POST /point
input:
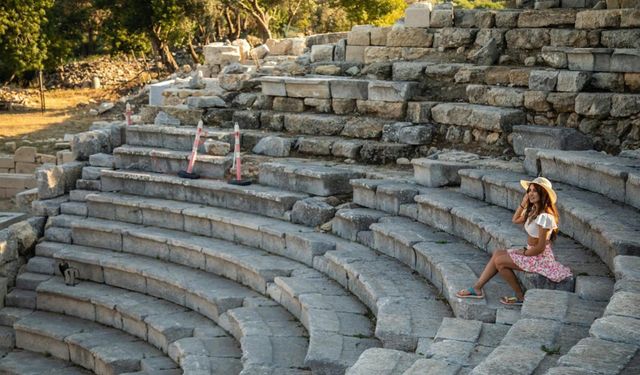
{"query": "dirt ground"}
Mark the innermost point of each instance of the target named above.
(67, 111)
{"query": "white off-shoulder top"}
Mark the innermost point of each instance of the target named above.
(544, 220)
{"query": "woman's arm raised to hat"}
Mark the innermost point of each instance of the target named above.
(519, 216)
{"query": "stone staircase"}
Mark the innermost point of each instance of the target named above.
(339, 257)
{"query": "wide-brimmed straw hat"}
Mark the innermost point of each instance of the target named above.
(544, 183)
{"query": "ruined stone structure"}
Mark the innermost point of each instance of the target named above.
(345, 253)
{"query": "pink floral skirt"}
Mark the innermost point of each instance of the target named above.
(544, 264)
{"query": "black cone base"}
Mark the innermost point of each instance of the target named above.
(240, 182)
(185, 174)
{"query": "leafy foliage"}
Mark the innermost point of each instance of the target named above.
(22, 45)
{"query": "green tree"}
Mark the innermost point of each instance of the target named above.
(375, 12)
(23, 46)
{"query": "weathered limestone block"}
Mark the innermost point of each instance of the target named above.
(607, 81)
(546, 18)
(363, 127)
(382, 153)
(436, 173)
(25, 154)
(555, 59)
(536, 100)
(308, 88)
(484, 37)
(419, 112)
(217, 148)
(322, 52)
(382, 54)
(391, 91)
(320, 105)
(315, 145)
(527, 38)
(569, 38)
(544, 80)
(379, 36)
(88, 143)
(247, 119)
(525, 136)
(340, 50)
(418, 15)
(390, 131)
(477, 116)
(589, 59)
(507, 19)
(236, 82)
(221, 54)
(360, 35)
(305, 123)
(312, 211)
(387, 110)
(416, 135)
(56, 180)
(562, 102)
(409, 37)
(456, 37)
(349, 89)
(630, 18)
(343, 106)
(286, 104)
(621, 38)
(279, 46)
(572, 81)
(355, 54)
(624, 105)
(593, 105)
(205, 102)
(442, 17)
(349, 149)
(625, 60)
(273, 146)
(495, 95)
(598, 19)
(484, 19)
(273, 86)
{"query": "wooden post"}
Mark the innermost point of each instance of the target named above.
(43, 106)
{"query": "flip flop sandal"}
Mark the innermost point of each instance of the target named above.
(472, 294)
(511, 301)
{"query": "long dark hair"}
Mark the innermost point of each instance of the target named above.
(546, 206)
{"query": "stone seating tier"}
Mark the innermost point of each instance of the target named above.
(250, 318)
(91, 345)
(19, 362)
(608, 228)
(403, 293)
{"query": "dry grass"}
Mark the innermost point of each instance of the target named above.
(66, 112)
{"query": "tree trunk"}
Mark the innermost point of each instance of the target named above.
(192, 52)
(161, 48)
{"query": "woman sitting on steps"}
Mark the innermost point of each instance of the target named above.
(538, 213)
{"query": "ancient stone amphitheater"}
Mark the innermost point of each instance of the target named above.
(345, 253)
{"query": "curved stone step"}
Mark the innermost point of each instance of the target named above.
(170, 161)
(91, 345)
(606, 227)
(494, 119)
(22, 362)
(321, 179)
(212, 296)
(487, 226)
(551, 323)
(171, 328)
(256, 269)
(264, 200)
(249, 266)
(302, 244)
(408, 309)
(615, 333)
(173, 138)
(449, 263)
(339, 330)
(615, 177)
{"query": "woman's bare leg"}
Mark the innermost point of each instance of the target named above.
(505, 266)
(489, 271)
